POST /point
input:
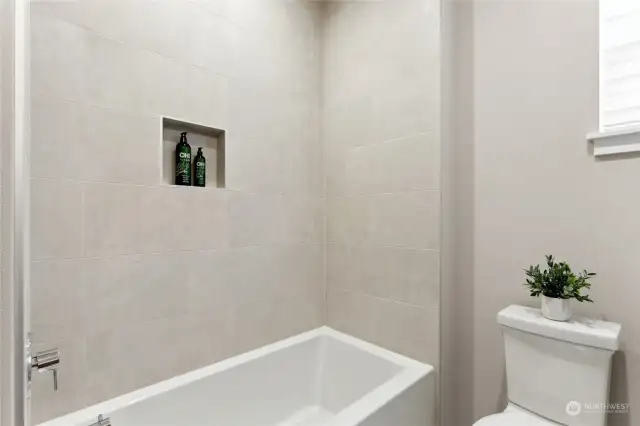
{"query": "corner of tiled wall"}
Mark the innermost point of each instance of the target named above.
(381, 130)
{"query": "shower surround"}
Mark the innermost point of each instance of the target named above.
(331, 207)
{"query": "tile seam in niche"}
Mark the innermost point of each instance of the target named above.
(132, 45)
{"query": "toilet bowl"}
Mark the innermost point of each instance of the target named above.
(555, 370)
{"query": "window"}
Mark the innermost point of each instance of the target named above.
(619, 127)
(619, 64)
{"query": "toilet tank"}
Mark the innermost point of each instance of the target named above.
(551, 365)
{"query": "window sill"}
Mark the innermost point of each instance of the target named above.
(611, 142)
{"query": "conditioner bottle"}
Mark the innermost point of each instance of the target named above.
(199, 169)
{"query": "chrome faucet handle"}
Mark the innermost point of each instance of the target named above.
(102, 421)
(48, 360)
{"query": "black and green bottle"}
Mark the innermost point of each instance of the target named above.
(199, 169)
(183, 161)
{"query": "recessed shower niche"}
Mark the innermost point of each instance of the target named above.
(210, 139)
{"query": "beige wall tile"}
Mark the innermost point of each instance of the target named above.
(130, 290)
(47, 403)
(262, 321)
(119, 76)
(262, 219)
(195, 36)
(404, 275)
(59, 300)
(177, 345)
(138, 219)
(406, 164)
(56, 219)
(352, 313)
(410, 330)
(57, 61)
(75, 141)
(381, 104)
(409, 219)
(219, 7)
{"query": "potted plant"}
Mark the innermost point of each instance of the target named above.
(558, 285)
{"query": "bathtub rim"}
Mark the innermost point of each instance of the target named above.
(412, 371)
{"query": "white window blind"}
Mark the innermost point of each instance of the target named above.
(619, 64)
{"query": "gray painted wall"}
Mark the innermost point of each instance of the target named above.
(526, 184)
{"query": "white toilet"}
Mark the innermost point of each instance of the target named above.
(557, 372)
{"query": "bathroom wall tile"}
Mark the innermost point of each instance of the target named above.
(404, 275)
(226, 277)
(119, 76)
(254, 219)
(410, 219)
(56, 219)
(347, 220)
(265, 321)
(407, 109)
(130, 219)
(409, 330)
(336, 173)
(57, 55)
(207, 213)
(195, 37)
(405, 164)
(259, 219)
(352, 313)
(129, 290)
(75, 141)
(219, 7)
(78, 296)
(253, 165)
(46, 403)
(176, 345)
(350, 123)
(59, 300)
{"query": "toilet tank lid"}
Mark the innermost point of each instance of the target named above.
(583, 331)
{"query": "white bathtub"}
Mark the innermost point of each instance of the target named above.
(321, 377)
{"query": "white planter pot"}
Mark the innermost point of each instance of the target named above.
(556, 309)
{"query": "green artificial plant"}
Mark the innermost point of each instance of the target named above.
(558, 281)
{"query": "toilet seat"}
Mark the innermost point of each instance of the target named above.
(514, 418)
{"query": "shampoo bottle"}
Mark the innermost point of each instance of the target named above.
(199, 169)
(183, 161)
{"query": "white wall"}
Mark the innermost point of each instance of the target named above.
(134, 280)
(381, 131)
(531, 76)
